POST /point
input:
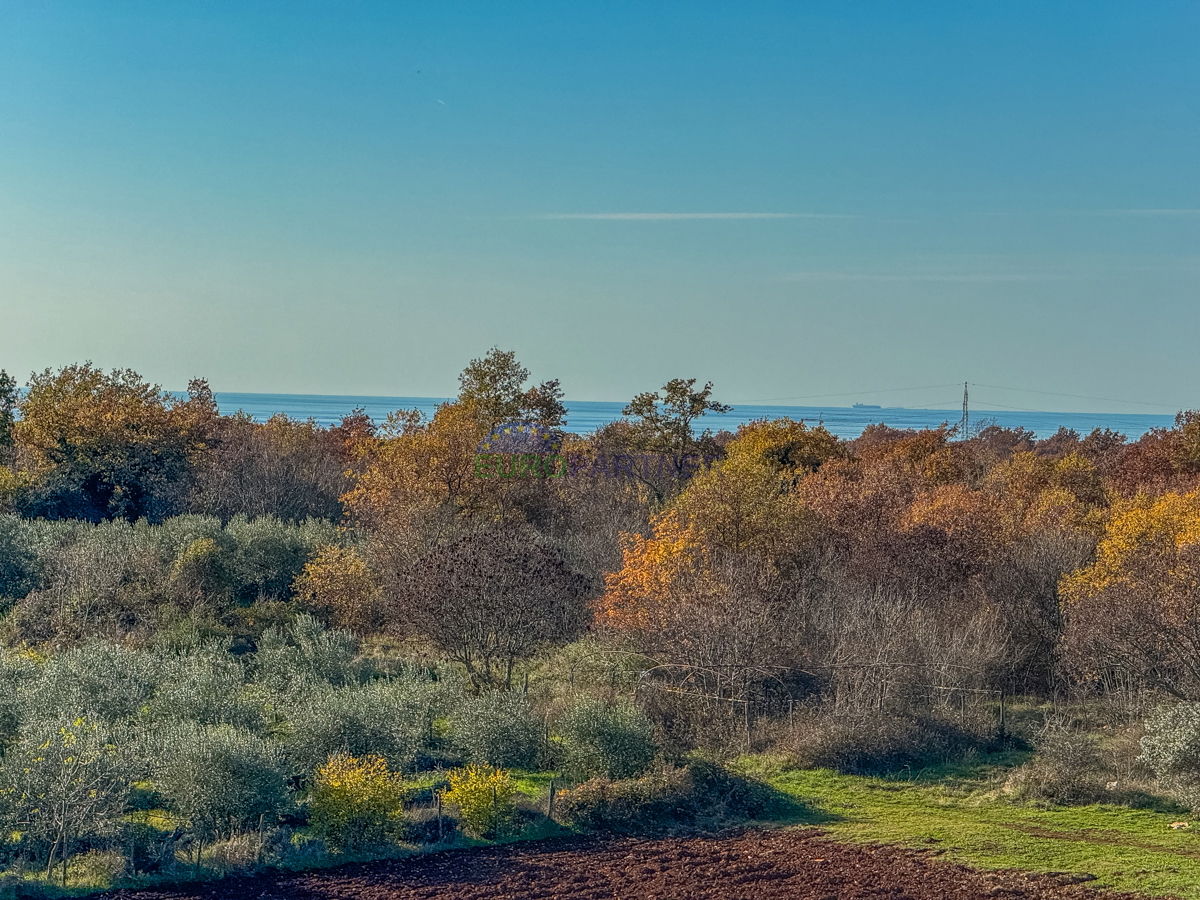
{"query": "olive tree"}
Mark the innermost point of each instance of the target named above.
(217, 778)
(63, 781)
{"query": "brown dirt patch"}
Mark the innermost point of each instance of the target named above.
(772, 865)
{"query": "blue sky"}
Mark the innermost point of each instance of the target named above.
(792, 200)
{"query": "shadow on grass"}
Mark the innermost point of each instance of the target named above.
(792, 811)
(1149, 802)
(975, 769)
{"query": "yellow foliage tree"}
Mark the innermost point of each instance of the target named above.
(1139, 531)
(655, 572)
(746, 503)
(338, 586)
(1136, 608)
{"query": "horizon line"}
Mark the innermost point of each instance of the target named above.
(681, 216)
(735, 404)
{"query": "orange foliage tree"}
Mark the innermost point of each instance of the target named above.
(98, 445)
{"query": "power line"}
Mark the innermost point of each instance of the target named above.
(986, 405)
(1076, 396)
(975, 384)
(927, 387)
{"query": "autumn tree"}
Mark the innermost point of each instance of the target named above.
(1135, 611)
(102, 445)
(1153, 464)
(338, 587)
(719, 622)
(490, 599)
(656, 572)
(418, 481)
(747, 502)
(1187, 442)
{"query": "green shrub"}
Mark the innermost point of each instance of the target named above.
(239, 852)
(306, 653)
(100, 679)
(204, 684)
(96, 868)
(18, 560)
(498, 729)
(70, 581)
(267, 554)
(17, 671)
(609, 740)
(485, 798)
(357, 802)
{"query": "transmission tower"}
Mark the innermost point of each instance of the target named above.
(966, 417)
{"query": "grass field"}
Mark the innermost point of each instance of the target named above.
(961, 813)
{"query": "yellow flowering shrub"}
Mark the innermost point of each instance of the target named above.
(485, 799)
(357, 801)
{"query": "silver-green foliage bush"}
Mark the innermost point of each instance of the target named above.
(204, 684)
(100, 679)
(266, 554)
(1171, 748)
(18, 560)
(218, 778)
(610, 740)
(17, 672)
(498, 728)
(304, 655)
(72, 580)
(391, 719)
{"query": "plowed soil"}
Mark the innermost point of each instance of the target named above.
(796, 865)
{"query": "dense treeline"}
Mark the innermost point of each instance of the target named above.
(179, 586)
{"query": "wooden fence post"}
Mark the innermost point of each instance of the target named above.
(550, 802)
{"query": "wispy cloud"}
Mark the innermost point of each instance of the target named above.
(973, 277)
(1148, 212)
(678, 216)
(1178, 213)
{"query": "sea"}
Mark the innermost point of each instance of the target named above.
(585, 416)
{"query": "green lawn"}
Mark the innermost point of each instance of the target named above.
(961, 813)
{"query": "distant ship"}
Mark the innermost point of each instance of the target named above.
(866, 406)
